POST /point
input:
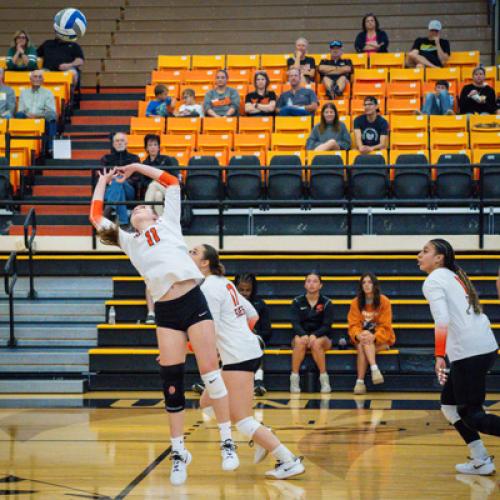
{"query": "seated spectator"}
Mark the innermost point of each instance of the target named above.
(439, 102)
(21, 56)
(371, 130)
(246, 283)
(189, 106)
(335, 72)
(7, 99)
(432, 51)
(222, 100)
(59, 55)
(305, 64)
(117, 191)
(162, 103)
(330, 134)
(38, 102)
(371, 38)
(478, 97)
(297, 101)
(370, 328)
(260, 102)
(312, 316)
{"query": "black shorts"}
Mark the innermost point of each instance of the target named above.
(181, 313)
(250, 365)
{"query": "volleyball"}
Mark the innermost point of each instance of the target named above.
(70, 24)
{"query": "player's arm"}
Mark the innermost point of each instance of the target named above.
(164, 178)
(250, 312)
(96, 207)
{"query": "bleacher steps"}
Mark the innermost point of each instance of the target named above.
(42, 386)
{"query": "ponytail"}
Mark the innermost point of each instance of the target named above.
(215, 266)
(109, 235)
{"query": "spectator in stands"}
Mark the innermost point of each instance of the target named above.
(297, 101)
(370, 130)
(7, 99)
(246, 283)
(312, 316)
(38, 102)
(432, 51)
(59, 55)
(121, 191)
(371, 38)
(439, 102)
(330, 134)
(478, 97)
(370, 328)
(21, 56)
(260, 102)
(305, 64)
(162, 104)
(222, 100)
(336, 72)
(189, 106)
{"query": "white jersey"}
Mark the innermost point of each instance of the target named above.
(235, 341)
(159, 252)
(469, 334)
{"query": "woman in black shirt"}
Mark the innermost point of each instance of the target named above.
(312, 316)
(261, 102)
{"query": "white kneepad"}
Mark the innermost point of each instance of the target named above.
(451, 414)
(248, 426)
(214, 384)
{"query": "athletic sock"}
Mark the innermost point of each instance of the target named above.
(360, 380)
(178, 444)
(225, 431)
(282, 453)
(374, 367)
(259, 375)
(477, 450)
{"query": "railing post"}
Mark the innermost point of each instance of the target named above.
(221, 208)
(10, 270)
(349, 209)
(481, 209)
(28, 244)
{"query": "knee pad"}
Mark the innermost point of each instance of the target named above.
(450, 413)
(248, 426)
(472, 415)
(172, 378)
(214, 384)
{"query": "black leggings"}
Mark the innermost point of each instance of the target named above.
(466, 388)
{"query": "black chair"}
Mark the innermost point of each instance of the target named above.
(285, 183)
(366, 182)
(203, 184)
(243, 183)
(454, 177)
(365, 160)
(410, 181)
(491, 176)
(327, 183)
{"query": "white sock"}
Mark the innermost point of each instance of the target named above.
(360, 381)
(282, 453)
(259, 375)
(477, 450)
(208, 413)
(225, 431)
(323, 375)
(294, 375)
(374, 367)
(178, 444)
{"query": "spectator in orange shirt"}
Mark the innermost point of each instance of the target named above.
(370, 328)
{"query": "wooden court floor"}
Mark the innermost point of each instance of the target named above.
(115, 446)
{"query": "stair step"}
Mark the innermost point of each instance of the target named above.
(42, 386)
(113, 97)
(90, 145)
(52, 190)
(103, 112)
(108, 105)
(57, 209)
(98, 121)
(93, 154)
(54, 231)
(73, 309)
(60, 219)
(20, 358)
(73, 130)
(69, 163)
(61, 173)
(63, 180)
(110, 90)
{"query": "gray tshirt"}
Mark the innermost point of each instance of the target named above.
(342, 137)
(220, 103)
(7, 100)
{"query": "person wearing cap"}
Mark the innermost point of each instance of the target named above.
(306, 64)
(336, 71)
(431, 51)
(478, 97)
(371, 130)
(297, 101)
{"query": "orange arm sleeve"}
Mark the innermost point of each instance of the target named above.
(355, 321)
(252, 322)
(384, 333)
(440, 334)
(167, 179)
(96, 208)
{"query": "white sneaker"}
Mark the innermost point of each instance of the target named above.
(377, 377)
(477, 467)
(178, 474)
(359, 388)
(284, 470)
(324, 381)
(295, 383)
(230, 460)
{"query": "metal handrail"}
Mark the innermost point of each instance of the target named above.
(30, 222)
(10, 279)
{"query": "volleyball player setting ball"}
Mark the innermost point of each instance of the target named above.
(158, 252)
(241, 356)
(463, 334)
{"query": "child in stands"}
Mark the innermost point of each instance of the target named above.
(162, 104)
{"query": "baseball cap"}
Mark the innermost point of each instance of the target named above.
(435, 25)
(335, 43)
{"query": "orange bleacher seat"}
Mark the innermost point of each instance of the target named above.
(174, 62)
(491, 75)
(358, 60)
(3, 63)
(485, 140)
(450, 74)
(257, 125)
(215, 145)
(239, 76)
(321, 91)
(173, 91)
(292, 124)
(275, 66)
(402, 106)
(52, 79)
(342, 105)
(497, 89)
(277, 88)
(311, 154)
(371, 75)
(3, 125)
(409, 123)
(208, 62)
(60, 95)
(243, 61)
(407, 75)
(135, 144)
(410, 141)
(360, 90)
(318, 58)
(354, 153)
(147, 125)
(28, 127)
(451, 123)
(345, 119)
(184, 125)
(219, 126)
(469, 59)
(141, 108)
(21, 152)
(199, 90)
(358, 107)
(245, 144)
(199, 76)
(492, 122)
(404, 90)
(288, 142)
(387, 60)
(171, 143)
(168, 76)
(449, 141)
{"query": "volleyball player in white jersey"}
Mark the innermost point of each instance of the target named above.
(463, 334)
(158, 252)
(241, 356)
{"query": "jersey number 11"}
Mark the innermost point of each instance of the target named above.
(152, 237)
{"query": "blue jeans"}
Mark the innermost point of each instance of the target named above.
(437, 105)
(293, 111)
(120, 192)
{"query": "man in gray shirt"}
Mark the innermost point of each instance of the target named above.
(297, 101)
(7, 99)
